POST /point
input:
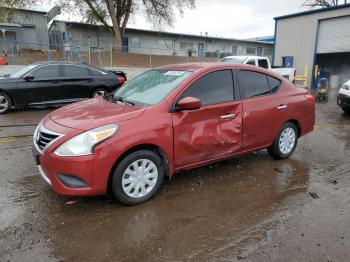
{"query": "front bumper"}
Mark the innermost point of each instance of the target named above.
(76, 176)
(343, 100)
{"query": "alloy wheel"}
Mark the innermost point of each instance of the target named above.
(4, 103)
(287, 140)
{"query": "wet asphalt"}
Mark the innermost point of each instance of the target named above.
(251, 208)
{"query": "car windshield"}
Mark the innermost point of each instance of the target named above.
(22, 71)
(151, 87)
(233, 60)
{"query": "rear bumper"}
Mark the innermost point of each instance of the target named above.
(343, 100)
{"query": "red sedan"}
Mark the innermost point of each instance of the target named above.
(166, 120)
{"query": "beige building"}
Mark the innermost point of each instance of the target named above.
(318, 39)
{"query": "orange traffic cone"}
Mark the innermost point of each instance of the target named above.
(2, 61)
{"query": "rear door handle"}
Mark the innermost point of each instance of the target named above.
(282, 107)
(229, 116)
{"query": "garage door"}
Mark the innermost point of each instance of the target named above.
(334, 36)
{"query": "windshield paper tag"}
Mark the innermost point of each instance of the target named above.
(174, 73)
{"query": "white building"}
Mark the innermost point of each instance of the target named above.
(159, 43)
(318, 39)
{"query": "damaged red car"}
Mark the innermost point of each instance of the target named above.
(169, 119)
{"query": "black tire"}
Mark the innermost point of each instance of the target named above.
(275, 150)
(117, 187)
(99, 92)
(5, 103)
(346, 110)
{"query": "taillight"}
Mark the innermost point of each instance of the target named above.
(310, 98)
(121, 80)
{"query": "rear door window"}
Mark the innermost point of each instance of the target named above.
(214, 88)
(253, 83)
(274, 84)
(75, 71)
(47, 72)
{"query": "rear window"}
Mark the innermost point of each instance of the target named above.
(95, 72)
(263, 63)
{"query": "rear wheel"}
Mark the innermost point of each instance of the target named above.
(285, 142)
(99, 92)
(346, 110)
(5, 103)
(138, 177)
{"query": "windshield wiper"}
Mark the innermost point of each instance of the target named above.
(123, 100)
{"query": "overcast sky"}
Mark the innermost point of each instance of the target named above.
(228, 18)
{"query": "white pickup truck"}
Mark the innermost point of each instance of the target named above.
(260, 61)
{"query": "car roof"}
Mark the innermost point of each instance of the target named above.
(247, 56)
(58, 62)
(69, 63)
(203, 66)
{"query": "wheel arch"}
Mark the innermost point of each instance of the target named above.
(13, 101)
(151, 147)
(98, 87)
(297, 124)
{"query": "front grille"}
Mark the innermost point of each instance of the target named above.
(44, 139)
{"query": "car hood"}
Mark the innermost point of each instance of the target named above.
(7, 80)
(93, 113)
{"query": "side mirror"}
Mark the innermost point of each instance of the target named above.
(188, 103)
(28, 77)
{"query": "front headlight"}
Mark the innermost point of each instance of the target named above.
(346, 87)
(84, 144)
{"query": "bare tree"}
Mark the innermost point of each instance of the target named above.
(323, 3)
(6, 8)
(118, 12)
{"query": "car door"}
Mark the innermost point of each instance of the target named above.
(263, 108)
(214, 130)
(77, 82)
(43, 87)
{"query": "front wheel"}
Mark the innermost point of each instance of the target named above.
(346, 110)
(138, 177)
(5, 103)
(285, 142)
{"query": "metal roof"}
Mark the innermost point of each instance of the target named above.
(163, 33)
(37, 10)
(314, 11)
(10, 25)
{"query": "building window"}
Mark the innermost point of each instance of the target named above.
(165, 44)
(250, 50)
(186, 46)
(268, 51)
(260, 51)
(234, 50)
(135, 41)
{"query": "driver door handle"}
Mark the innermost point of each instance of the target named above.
(282, 107)
(228, 116)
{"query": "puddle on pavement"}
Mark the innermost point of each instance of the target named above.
(223, 201)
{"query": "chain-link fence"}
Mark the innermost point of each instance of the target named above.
(23, 53)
